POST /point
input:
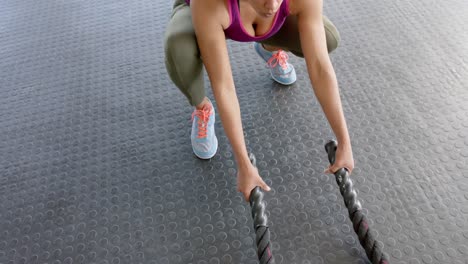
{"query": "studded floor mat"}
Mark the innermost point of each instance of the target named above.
(96, 164)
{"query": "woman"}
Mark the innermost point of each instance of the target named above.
(196, 37)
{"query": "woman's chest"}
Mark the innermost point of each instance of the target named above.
(252, 23)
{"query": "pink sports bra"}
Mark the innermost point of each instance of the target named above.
(236, 30)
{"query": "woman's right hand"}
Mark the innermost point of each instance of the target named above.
(248, 178)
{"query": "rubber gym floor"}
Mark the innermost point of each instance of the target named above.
(96, 164)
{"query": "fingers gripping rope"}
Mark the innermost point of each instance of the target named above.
(262, 231)
(360, 224)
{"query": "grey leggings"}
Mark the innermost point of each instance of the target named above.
(182, 56)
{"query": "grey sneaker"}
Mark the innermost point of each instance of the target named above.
(280, 69)
(204, 141)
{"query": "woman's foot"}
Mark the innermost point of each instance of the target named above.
(203, 137)
(281, 71)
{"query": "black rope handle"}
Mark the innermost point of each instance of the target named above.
(360, 224)
(262, 231)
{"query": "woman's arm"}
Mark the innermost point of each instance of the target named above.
(322, 75)
(212, 43)
(207, 17)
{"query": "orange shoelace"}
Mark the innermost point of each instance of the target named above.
(280, 57)
(203, 118)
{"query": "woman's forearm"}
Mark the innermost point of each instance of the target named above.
(327, 93)
(229, 112)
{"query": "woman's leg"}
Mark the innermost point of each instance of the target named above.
(288, 38)
(185, 68)
(182, 56)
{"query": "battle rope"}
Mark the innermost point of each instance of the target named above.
(361, 227)
(262, 231)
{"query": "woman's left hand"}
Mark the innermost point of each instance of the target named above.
(343, 159)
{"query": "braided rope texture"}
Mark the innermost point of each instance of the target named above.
(372, 246)
(262, 231)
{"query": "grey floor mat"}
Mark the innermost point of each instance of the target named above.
(96, 163)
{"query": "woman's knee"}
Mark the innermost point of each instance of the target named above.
(182, 54)
(181, 46)
(332, 38)
(332, 35)
(180, 42)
